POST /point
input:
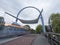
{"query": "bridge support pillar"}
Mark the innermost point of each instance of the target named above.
(44, 30)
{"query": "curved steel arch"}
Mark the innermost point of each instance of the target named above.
(40, 16)
(44, 30)
(26, 8)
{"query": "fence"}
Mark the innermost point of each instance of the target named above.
(53, 38)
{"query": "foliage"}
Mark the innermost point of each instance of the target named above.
(46, 27)
(39, 29)
(27, 26)
(55, 22)
(32, 31)
(1, 27)
(1, 23)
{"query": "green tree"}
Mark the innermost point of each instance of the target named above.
(55, 22)
(27, 27)
(46, 27)
(39, 29)
(33, 31)
(2, 23)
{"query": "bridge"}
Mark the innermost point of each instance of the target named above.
(33, 39)
(45, 38)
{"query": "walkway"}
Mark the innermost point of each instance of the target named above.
(24, 40)
(30, 39)
(41, 40)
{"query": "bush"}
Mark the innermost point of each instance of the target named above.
(39, 29)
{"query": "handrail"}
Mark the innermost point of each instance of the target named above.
(51, 36)
(53, 33)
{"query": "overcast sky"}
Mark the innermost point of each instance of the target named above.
(13, 7)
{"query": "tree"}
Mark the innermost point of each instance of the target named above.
(2, 23)
(32, 31)
(27, 27)
(46, 27)
(39, 29)
(55, 22)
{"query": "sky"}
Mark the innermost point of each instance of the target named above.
(13, 7)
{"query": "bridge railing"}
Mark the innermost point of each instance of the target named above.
(53, 38)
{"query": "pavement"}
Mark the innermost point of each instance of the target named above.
(24, 40)
(4, 40)
(41, 40)
(29, 39)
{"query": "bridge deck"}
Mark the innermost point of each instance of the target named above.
(31, 39)
(41, 40)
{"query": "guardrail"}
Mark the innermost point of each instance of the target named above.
(53, 38)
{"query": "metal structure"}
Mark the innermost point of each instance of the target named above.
(53, 38)
(30, 21)
(26, 8)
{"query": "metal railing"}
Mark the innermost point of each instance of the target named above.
(53, 38)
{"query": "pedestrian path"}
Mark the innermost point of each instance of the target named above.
(40, 40)
(30, 39)
(24, 40)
